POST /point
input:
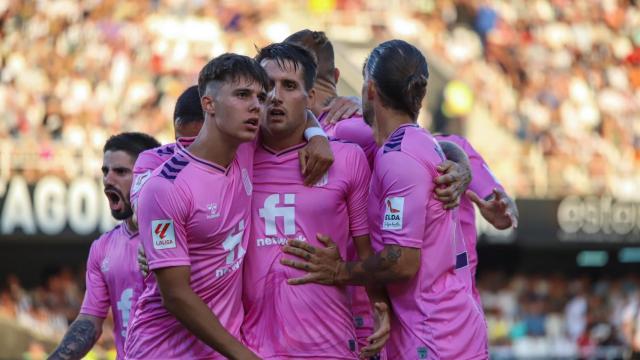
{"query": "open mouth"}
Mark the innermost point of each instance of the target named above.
(115, 200)
(276, 112)
(253, 122)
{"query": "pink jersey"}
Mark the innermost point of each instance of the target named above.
(483, 182)
(356, 131)
(193, 213)
(309, 321)
(353, 130)
(113, 280)
(149, 160)
(435, 317)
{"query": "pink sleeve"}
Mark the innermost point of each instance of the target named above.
(357, 198)
(161, 218)
(96, 298)
(406, 188)
(146, 162)
(355, 130)
(483, 181)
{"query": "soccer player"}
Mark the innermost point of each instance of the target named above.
(112, 278)
(187, 122)
(456, 173)
(415, 238)
(193, 212)
(490, 197)
(353, 129)
(315, 321)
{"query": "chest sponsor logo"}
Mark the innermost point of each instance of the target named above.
(393, 214)
(270, 212)
(235, 252)
(163, 234)
(124, 307)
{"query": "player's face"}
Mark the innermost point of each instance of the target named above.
(238, 107)
(117, 175)
(287, 100)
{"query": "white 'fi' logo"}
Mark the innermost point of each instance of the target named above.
(270, 212)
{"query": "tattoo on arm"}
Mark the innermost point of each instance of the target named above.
(328, 101)
(77, 342)
(453, 152)
(380, 264)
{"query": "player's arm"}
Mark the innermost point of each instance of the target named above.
(79, 338)
(87, 327)
(325, 265)
(316, 157)
(399, 260)
(456, 175)
(342, 107)
(487, 193)
(180, 300)
(498, 208)
(380, 304)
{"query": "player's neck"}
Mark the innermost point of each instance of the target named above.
(131, 225)
(388, 120)
(280, 142)
(324, 92)
(213, 146)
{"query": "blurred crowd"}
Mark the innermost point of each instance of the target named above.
(556, 82)
(561, 77)
(47, 310)
(555, 316)
(529, 316)
(73, 73)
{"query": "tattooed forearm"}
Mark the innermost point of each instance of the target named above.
(77, 342)
(378, 268)
(453, 152)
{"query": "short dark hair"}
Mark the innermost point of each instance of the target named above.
(133, 143)
(299, 56)
(188, 108)
(400, 73)
(231, 67)
(318, 43)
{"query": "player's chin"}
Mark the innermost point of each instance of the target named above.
(123, 214)
(247, 135)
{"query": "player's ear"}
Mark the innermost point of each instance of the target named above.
(207, 104)
(371, 90)
(311, 96)
(336, 75)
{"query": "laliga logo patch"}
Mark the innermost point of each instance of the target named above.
(164, 236)
(393, 213)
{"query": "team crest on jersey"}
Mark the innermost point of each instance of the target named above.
(246, 180)
(163, 234)
(213, 211)
(393, 213)
(140, 180)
